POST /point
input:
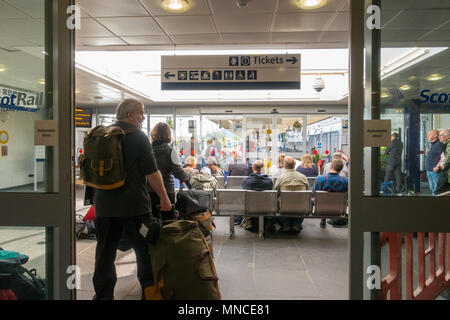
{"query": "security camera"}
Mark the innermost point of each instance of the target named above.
(242, 3)
(319, 84)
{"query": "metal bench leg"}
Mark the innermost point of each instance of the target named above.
(231, 227)
(261, 227)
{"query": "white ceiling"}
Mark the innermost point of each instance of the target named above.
(143, 23)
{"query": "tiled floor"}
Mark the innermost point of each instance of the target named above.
(311, 265)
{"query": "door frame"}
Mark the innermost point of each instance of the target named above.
(54, 211)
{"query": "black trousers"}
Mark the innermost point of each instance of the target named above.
(109, 232)
(394, 170)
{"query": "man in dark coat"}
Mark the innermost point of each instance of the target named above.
(394, 161)
(258, 181)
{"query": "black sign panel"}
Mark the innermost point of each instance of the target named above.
(83, 117)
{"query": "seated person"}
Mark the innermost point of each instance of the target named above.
(336, 156)
(332, 182)
(291, 180)
(308, 168)
(257, 181)
(211, 163)
(191, 164)
(276, 170)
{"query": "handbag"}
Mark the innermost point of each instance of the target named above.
(192, 201)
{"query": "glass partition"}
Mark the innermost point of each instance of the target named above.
(290, 131)
(188, 139)
(26, 165)
(222, 137)
(259, 140)
(414, 79)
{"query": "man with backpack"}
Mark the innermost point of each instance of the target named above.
(121, 210)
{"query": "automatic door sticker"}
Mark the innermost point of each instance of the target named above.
(228, 75)
(182, 75)
(240, 74)
(206, 75)
(217, 75)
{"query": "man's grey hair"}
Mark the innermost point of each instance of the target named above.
(445, 132)
(127, 106)
(211, 161)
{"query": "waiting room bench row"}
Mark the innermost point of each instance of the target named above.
(238, 202)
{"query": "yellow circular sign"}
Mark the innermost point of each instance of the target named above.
(4, 137)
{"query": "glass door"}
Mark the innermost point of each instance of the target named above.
(36, 139)
(290, 132)
(259, 140)
(223, 138)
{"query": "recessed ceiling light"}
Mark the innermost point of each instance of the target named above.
(311, 4)
(2, 68)
(175, 5)
(435, 77)
(412, 78)
(405, 87)
(41, 81)
(385, 95)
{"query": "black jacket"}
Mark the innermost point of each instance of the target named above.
(395, 153)
(163, 155)
(257, 182)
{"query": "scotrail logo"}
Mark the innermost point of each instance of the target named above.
(20, 101)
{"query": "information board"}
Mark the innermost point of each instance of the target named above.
(230, 72)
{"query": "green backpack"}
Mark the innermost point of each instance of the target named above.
(182, 264)
(101, 164)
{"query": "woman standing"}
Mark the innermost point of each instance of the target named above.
(307, 167)
(161, 139)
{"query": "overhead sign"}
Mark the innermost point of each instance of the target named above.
(221, 72)
(45, 132)
(377, 133)
(19, 100)
(83, 117)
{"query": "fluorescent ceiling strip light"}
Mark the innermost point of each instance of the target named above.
(409, 59)
(106, 78)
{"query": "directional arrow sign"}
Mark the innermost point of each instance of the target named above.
(233, 72)
(168, 75)
(293, 60)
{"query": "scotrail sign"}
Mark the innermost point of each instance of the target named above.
(219, 72)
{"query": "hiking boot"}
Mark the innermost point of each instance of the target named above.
(338, 223)
(323, 223)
